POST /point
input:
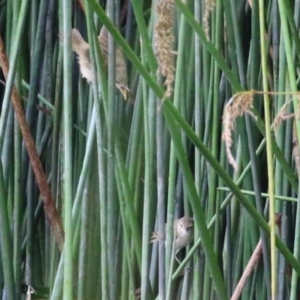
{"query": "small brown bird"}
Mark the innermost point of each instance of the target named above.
(183, 233)
(81, 47)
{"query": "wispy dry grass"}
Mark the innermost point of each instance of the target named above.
(239, 104)
(282, 115)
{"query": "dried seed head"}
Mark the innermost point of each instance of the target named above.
(163, 40)
(239, 104)
(209, 7)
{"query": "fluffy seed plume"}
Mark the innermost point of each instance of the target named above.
(239, 104)
(164, 39)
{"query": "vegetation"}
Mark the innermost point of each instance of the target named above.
(204, 123)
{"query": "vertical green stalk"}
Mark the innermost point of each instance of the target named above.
(17, 208)
(111, 121)
(127, 198)
(11, 75)
(126, 253)
(213, 196)
(269, 148)
(160, 168)
(199, 113)
(215, 145)
(283, 137)
(67, 152)
(17, 236)
(256, 167)
(104, 272)
(6, 244)
(293, 85)
(84, 249)
(173, 163)
(36, 70)
(148, 189)
(161, 199)
(55, 188)
(147, 45)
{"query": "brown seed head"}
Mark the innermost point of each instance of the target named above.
(164, 39)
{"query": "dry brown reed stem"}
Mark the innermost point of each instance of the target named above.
(163, 40)
(247, 272)
(49, 205)
(251, 265)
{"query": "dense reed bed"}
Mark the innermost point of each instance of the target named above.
(209, 128)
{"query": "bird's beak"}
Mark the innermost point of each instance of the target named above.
(124, 90)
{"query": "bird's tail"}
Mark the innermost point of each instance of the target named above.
(78, 43)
